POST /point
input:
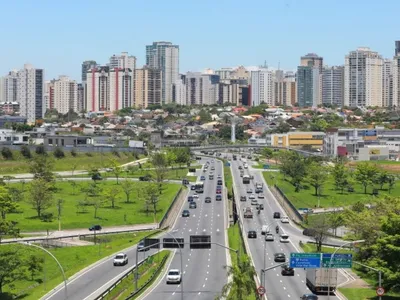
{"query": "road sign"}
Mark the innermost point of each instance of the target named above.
(266, 167)
(171, 243)
(152, 243)
(261, 290)
(305, 260)
(339, 260)
(380, 291)
(200, 242)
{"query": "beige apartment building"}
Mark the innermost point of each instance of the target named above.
(147, 87)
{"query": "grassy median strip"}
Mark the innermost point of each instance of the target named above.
(148, 272)
(72, 258)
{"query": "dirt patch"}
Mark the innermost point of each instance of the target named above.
(391, 168)
(358, 283)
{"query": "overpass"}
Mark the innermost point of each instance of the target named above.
(239, 146)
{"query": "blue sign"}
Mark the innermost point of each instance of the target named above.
(339, 260)
(227, 164)
(305, 260)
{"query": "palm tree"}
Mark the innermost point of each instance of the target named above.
(242, 283)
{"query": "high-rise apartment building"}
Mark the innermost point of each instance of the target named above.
(8, 87)
(333, 85)
(387, 82)
(397, 48)
(233, 91)
(262, 87)
(363, 78)
(396, 82)
(49, 94)
(65, 95)
(179, 90)
(80, 98)
(86, 66)
(164, 56)
(30, 93)
(2, 90)
(285, 88)
(312, 60)
(148, 87)
(308, 86)
(201, 89)
(123, 61)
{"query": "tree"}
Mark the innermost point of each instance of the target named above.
(40, 150)
(318, 125)
(73, 185)
(294, 166)
(8, 228)
(317, 176)
(335, 221)
(16, 195)
(391, 182)
(242, 283)
(116, 169)
(340, 176)
(365, 174)
(97, 202)
(6, 153)
(42, 166)
(58, 153)
(40, 195)
(205, 116)
(381, 178)
(159, 162)
(127, 186)
(12, 267)
(319, 228)
(152, 198)
(282, 127)
(267, 153)
(26, 152)
(110, 194)
(34, 265)
(73, 167)
(6, 203)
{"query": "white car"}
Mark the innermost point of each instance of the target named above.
(254, 201)
(252, 197)
(284, 238)
(260, 196)
(195, 196)
(264, 229)
(269, 237)
(245, 166)
(284, 220)
(219, 176)
(120, 259)
(174, 276)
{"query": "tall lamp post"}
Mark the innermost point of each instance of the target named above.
(376, 270)
(58, 263)
(330, 262)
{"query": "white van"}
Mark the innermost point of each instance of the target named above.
(264, 229)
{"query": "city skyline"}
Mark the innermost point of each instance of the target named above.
(61, 50)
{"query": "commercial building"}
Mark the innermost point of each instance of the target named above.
(296, 139)
(30, 93)
(308, 86)
(333, 85)
(147, 87)
(363, 78)
(165, 57)
(233, 91)
(9, 108)
(262, 87)
(64, 95)
(123, 61)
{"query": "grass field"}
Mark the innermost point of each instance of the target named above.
(329, 198)
(82, 161)
(388, 165)
(312, 248)
(72, 259)
(73, 216)
(146, 270)
(261, 166)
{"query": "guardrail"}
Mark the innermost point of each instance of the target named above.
(289, 203)
(164, 218)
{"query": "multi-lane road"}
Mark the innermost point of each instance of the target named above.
(277, 286)
(203, 269)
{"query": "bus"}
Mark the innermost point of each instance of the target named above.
(246, 179)
(199, 187)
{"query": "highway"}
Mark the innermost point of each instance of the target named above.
(277, 287)
(203, 269)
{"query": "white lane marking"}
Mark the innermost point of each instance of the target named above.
(199, 293)
(284, 288)
(204, 285)
(206, 278)
(288, 296)
(173, 293)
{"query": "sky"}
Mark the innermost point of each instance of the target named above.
(59, 35)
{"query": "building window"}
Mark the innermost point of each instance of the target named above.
(50, 141)
(62, 142)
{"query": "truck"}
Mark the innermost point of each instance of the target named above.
(246, 179)
(259, 187)
(248, 213)
(319, 279)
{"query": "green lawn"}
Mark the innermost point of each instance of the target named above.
(72, 259)
(74, 216)
(146, 270)
(366, 294)
(228, 178)
(82, 161)
(312, 248)
(261, 166)
(329, 198)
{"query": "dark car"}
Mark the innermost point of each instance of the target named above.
(309, 297)
(192, 205)
(95, 228)
(145, 178)
(219, 182)
(240, 167)
(193, 187)
(309, 232)
(243, 198)
(190, 198)
(202, 178)
(207, 200)
(97, 176)
(252, 234)
(185, 213)
(287, 270)
(277, 215)
(141, 247)
(218, 197)
(279, 257)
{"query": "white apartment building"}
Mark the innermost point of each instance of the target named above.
(8, 87)
(65, 95)
(164, 56)
(123, 61)
(387, 83)
(333, 85)
(30, 93)
(396, 82)
(201, 89)
(363, 78)
(179, 91)
(262, 87)
(285, 88)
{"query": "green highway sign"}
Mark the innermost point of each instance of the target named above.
(339, 260)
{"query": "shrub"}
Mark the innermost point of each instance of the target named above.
(135, 155)
(6, 153)
(116, 153)
(58, 153)
(74, 153)
(89, 154)
(47, 217)
(26, 152)
(40, 150)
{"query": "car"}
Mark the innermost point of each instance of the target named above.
(252, 197)
(190, 198)
(218, 191)
(174, 276)
(254, 202)
(252, 234)
(207, 200)
(109, 169)
(243, 198)
(145, 178)
(193, 205)
(309, 297)
(269, 237)
(264, 229)
(97, 176)
(212, 168)
(240, 168)
(212, 161)
(120, 259)
(284, 238)
(219, 182)
(248, 213)
(277, 215)
(279, 257)
(193, 187)
(286, 270)
(218, 197)
(249, 191)
(219, 176)
(202, 178)
(95, 228)
(195, 196)
(185, 213)
(284, 219)
(309, 232)
(210, 177)
(245, 166)
(260, 196)
(141, 247)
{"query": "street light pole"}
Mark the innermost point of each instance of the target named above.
(377, 270)
(59, 265)
(330, 262)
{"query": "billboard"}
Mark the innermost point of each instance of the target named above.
(374, 151)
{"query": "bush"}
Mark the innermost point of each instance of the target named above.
(47, 217)
(6, 153)
(74, 153)
(26, 152)
(40, 150)
(58, 153)
(135, 155)
(116, 153)
(89, 154)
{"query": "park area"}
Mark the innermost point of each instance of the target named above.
(85, 203)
